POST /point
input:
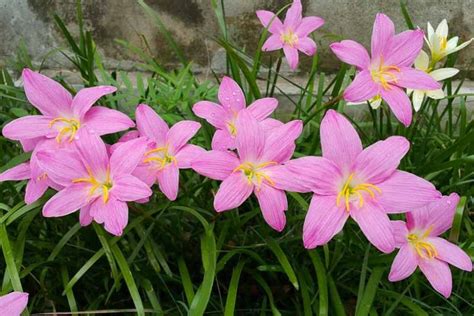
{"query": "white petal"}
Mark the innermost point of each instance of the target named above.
(435, 94)
(422, 61)
(375, 104)
(417, 98)
(442, 29)
(430, 34)
(460, 46)
(452, 43)
(443, 73)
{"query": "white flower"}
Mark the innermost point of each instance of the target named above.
(422, 62)
(374, 102)
(439, 44)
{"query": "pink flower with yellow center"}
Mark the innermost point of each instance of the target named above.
(62, 116)
(421, 247)
(94, 182)
(349, 181)
(256, 168)
(292, 35)
(13, 304)
(222, 116)
(388, 70)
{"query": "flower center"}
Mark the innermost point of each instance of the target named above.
(424, 249)
(232, 129)
(254, 172)
(289, 37)
(65, 127)
(384, 75)
(349, 191)
(159, 157)
(97, 187)
(443, 43)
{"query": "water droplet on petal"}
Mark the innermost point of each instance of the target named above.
(449, 202)
(227, 98)
(238, 100)
(234, 93)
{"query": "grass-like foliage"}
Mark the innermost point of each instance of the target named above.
(182, 257)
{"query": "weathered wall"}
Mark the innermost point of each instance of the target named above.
(194, 26)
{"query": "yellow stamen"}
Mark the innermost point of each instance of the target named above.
(162, 160)
(289, 38)
(105, 186)
(384, 75)
(72, 126)
(252, 171)
(424, 249)
(348, 191)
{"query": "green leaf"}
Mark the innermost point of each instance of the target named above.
(233, 288)
(370, 291)
(322, 282)
(283, 260)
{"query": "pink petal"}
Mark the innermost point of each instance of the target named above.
(400, 233)
(273, 204)
(416, 79)
(168, 180)
(230, 95)
(351, 53)
(145, 174)
(222, 140)
(212, 112)
(114, 215)
(438, 274)
(270, 20)
(293, 15)
(404, 264)
(67, 201)
(129, 136)
(291, 55)
(250, 139)
(181, 132)
(308, 25)
(85, 217)
(127, 156)
(272, 43)
(323, 220)
(45, 94)
(378, 161)
(19, 172)
(262, 108)
(286, 180)
(186, 155)
(233, 191)
(214, 164)
(150, 124)
(92, 150)
(437, 216)
(382, 32)
(318, 174)
(13, 304)
(399, 103)
(29, 144)
(340, 142)
(362, 88)
(279, 139)
(62, 167)
(403, 48)
(307, 46)
(451, 253)
(129, 188)
(269, 124)
(403, 192)
(375, 225)
(27, 127)
(105, 121)
(35, 189)
(87, 97)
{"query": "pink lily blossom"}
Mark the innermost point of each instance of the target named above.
(292, 35)
(349, 181)
(13, 304)
(421, 247)
(94, 182)
(388, 70)
(167, 149)
(257, 168)
(222, 116)
(62, 116)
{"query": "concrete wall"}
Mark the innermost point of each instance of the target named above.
(194, 26)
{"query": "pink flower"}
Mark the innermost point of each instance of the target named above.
(222, 116)
(292, 35)
(99, 185)
(421, 247)
(38, 180)
(257, 168)
(361, 183)
(388, 70)
(167, 150)
(62, 116)
(13, 304)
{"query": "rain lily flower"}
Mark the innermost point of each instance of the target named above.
(167, 150)
(422, 63)
(62, 116)
(257, 168)
(421, 247)
(99, 185)
(439, 44)
(388, 70)
(13, 304)
(349, 181)
(222, 116)
(292, 35)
